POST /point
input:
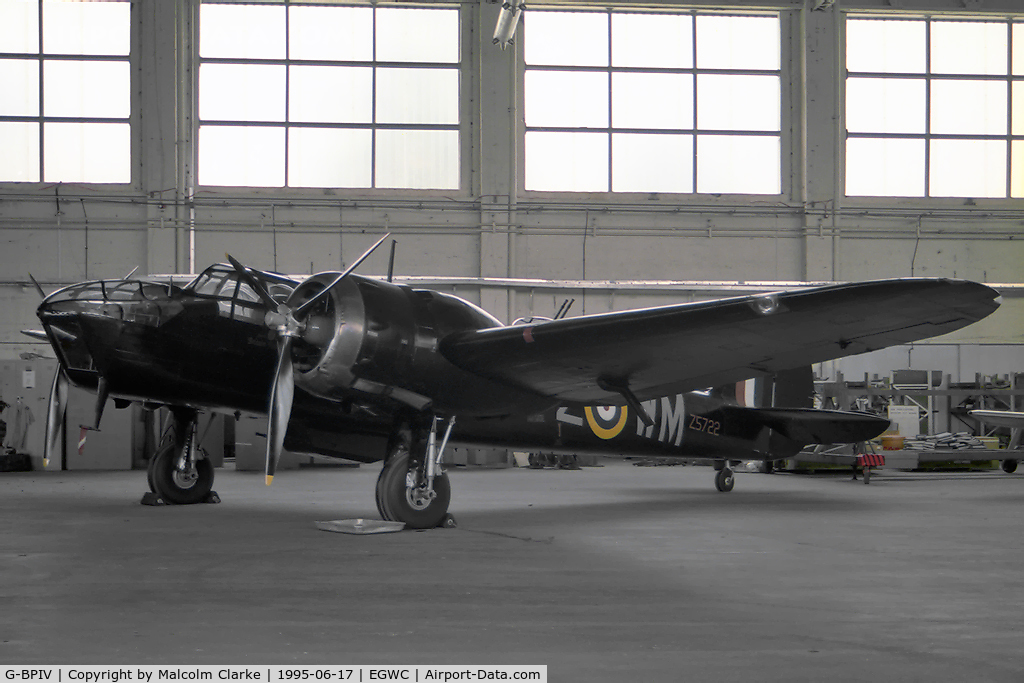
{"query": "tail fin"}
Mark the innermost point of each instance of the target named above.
(792, 388)
(784, 410)
(787, 389)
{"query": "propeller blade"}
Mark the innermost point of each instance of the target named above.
(38, 288)
(55, 414)
(257, 287)
(301, 310)
(102, 393)
(280, 408)
(391, 262)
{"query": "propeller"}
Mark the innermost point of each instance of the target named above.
(42, 294)
(57, 406)
(282, 391)
(289, 323)
(55, 411)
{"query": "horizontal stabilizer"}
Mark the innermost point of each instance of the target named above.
(808, 425)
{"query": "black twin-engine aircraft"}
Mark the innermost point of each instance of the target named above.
(350, 366)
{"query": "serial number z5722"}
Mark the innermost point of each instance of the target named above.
(699, 423)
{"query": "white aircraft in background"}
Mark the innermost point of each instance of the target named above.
(1004, 418)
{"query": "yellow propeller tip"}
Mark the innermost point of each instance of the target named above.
(270, 479)
(46, 462)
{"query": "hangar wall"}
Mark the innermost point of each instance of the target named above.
(164, 224)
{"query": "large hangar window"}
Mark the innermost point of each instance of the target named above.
(934, 107)
(652, 102)
(66, 102)
(300, 95)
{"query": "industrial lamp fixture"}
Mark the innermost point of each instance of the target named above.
(508, 19)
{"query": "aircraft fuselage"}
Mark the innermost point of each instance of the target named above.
(366, 360)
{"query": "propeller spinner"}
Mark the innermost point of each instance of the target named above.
(289, 324)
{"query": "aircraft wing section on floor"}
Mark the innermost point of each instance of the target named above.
(685, 347)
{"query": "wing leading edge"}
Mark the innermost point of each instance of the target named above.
(1000, 418)
(685, 347)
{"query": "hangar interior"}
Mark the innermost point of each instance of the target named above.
(618, 155)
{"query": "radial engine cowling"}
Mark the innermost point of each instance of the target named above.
(327, 347)
(370, 338)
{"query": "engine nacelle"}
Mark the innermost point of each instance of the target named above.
(328, 347)
(373, 340)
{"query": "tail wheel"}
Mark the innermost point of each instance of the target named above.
(402, 496)
(724, 480)
(180, 485)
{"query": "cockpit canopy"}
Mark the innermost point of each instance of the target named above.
(222, 282)
(111, 290)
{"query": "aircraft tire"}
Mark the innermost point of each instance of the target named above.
(393, 495)
(1009, 466)
(149, 472)
(173, 487)
(400, 442)
(724, 480)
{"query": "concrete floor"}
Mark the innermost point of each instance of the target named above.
(605, 574)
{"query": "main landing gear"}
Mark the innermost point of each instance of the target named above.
(180, 473)
(413, 487)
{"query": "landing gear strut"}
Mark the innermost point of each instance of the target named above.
(412, 486)
(180, 473)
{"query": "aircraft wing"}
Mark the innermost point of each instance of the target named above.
(1000, 418)
(685, 347)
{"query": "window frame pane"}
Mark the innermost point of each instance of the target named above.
(579, 157)
(86, 89)
(873, 182)
(87, 152)
(262, 37)
(970, 104)
(237, 148)
(893, 105)
(577, 99)
(336, 149)
(742, 152)
(19, 75)
(315, 33)
(412, 151)
(950, 53)
(20, 161)
(954, 165)
(75, 76)
(19, 31)
(408, 84)
(638, 149)
(641, 98)
(87, 28)
(649, 100)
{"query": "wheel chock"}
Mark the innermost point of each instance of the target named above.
(150, 498)
(447, 522)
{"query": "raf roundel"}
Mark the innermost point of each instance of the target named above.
(606, 422)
